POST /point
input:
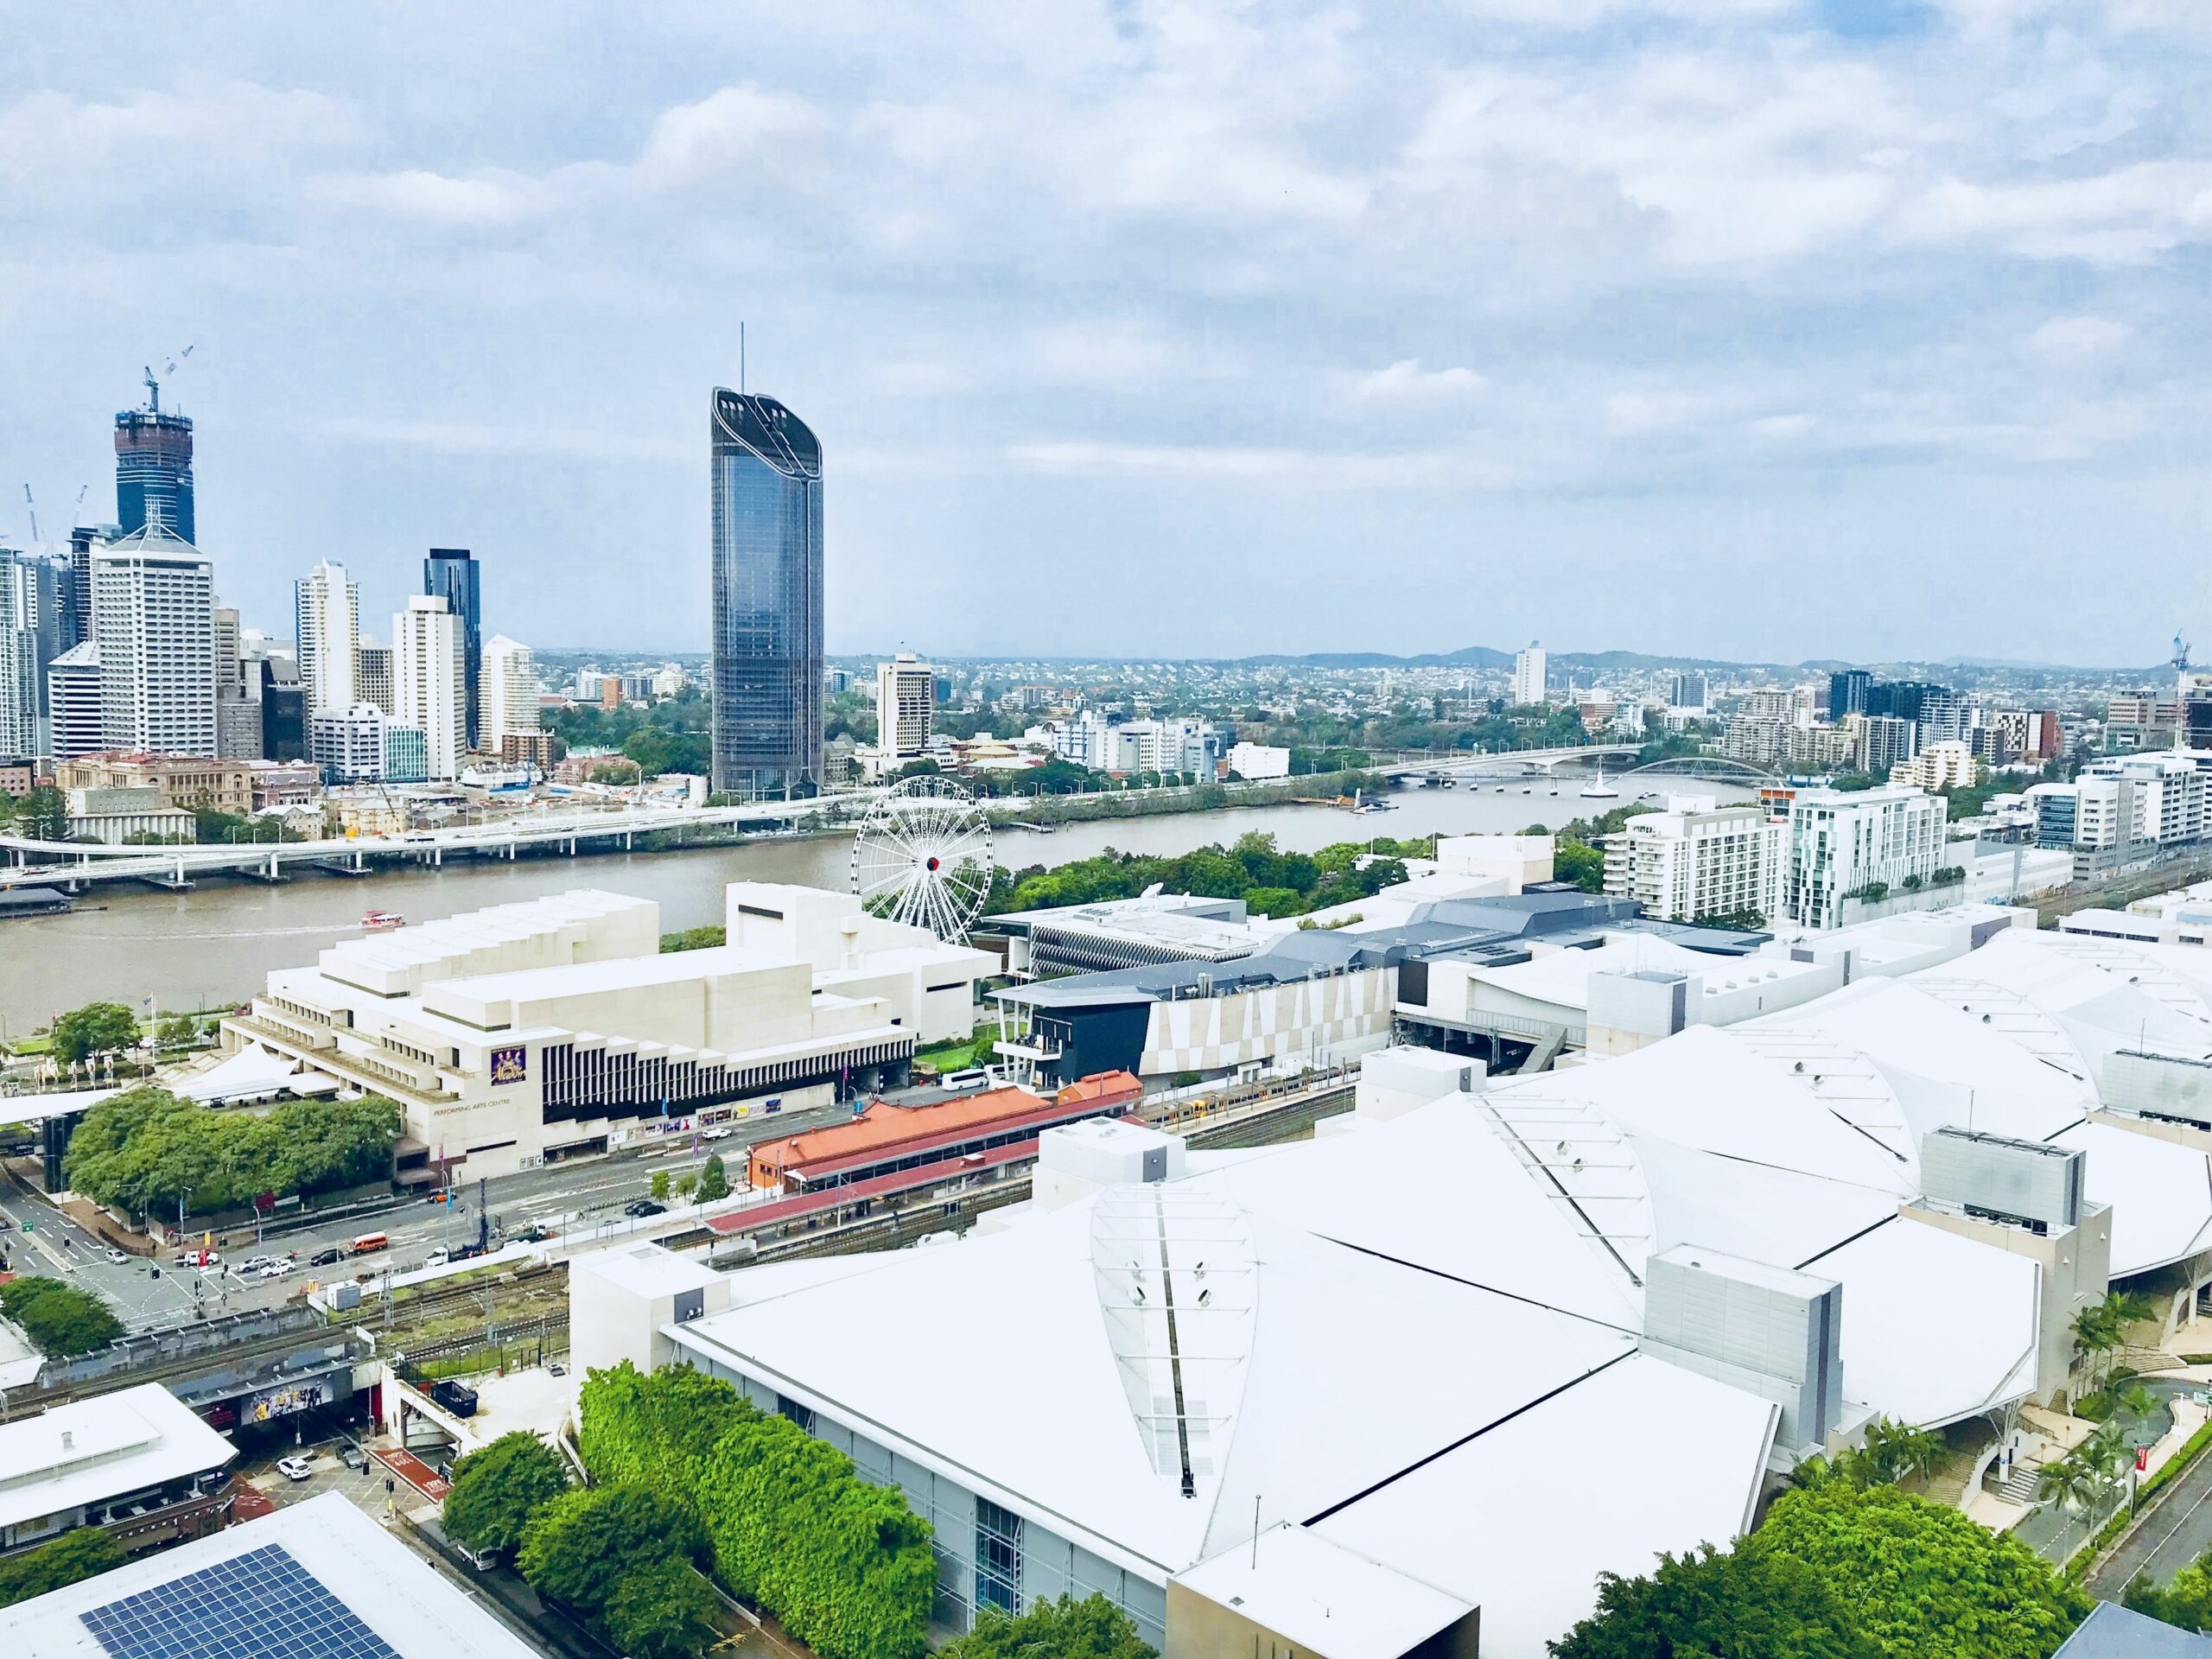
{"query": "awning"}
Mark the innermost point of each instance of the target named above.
(253, 1073)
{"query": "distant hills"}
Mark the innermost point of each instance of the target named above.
(1600, 661)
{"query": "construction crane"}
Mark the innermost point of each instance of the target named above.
(33, 506)
(154, 386)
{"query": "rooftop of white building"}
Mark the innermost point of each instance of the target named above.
(92, 1449)
(318, 1577)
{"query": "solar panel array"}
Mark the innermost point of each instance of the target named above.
(262, 1604)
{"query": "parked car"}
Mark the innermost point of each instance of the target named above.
(643, 1207)
(294, 1468)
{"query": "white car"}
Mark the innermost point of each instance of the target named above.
(117, 1257)
(438, 1257)
(276, 1270)
(294, 1468)
(720, 1132)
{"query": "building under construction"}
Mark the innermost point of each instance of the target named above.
(153, 469)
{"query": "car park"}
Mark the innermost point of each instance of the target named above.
(294, 1468)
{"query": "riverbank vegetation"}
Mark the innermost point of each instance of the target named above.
(1271, 882)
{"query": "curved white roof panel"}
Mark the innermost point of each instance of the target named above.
(1935, 1327)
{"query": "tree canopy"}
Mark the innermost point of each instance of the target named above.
(623, 1555)
(97, 1028)
(1923, 1580)
(498, 1489)
(1067, 1629)
(61, 1320)
(78, 1554)
(1740, 1605)
(144, 1148)
(714, 1181)
(1270, 881)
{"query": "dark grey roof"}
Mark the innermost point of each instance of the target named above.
(2111, 1631)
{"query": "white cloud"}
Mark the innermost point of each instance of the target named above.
(2078, 339)
(1406, 382)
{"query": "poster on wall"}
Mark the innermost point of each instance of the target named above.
(510, 1065)
(282, 1403)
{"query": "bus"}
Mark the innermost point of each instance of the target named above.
(369, 1243)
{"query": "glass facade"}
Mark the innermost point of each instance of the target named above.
(766, 528)
(153, 473)
(450, 573)
(998, 1557)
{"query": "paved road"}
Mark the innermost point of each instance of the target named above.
(562, 1196)
(2172, 1536)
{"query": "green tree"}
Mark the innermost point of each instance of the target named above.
(146, 1149)
(1579, 862)
(714, 1181)
(177, 1031)
(61, 1320)
(2185, 1601)
(97, 1028)
(42, 815)
(1740, 1605)
(1921, 1580)
(658, 1185)
(498, 1489)
(1067, 1629)
(580, 1544)
(75, 1555)
(661, 1609)
(694, 938)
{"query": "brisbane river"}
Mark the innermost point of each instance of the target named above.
(215, 946)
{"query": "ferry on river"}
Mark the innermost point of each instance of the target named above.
(382, 921)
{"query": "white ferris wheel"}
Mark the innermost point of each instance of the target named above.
(922, 856)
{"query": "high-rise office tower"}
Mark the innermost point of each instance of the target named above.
(372, 674)
(1847, 690)
(283, 710)
(1529, 675)
(906, 707)
(77, 590)
(509, 692)
(153, 469)
(427, 683)
(27, 594)
(72, 701)
(238, 691)
(451, 572)
(154, 617)
(1688, 690)
(766, 542)
(327, 608)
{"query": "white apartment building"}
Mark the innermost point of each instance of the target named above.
(348, 742)
(154, 616)
(327, 611)
(906, 708)
(1945, 765)
(508, 691)
(2164, 800)
(1181, 745)
(1699, 859)
(1257, 760)
(372, 675)
(1755, 740)
(429, 689)
(1841, 840)
(1528, 676)
(556, 1026)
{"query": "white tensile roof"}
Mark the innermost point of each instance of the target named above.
(1317, 1376)
(1971, 1054)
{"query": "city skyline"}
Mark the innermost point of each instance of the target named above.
(1610, 323)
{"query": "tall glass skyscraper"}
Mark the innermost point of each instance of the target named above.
(767, 486)
(152, 470)
(450, 573)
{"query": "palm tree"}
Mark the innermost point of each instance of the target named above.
(2069, 1482)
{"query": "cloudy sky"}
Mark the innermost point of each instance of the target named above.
(1771, 328)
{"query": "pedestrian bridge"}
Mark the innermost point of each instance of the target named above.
(71, 865)
(1416, 765)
